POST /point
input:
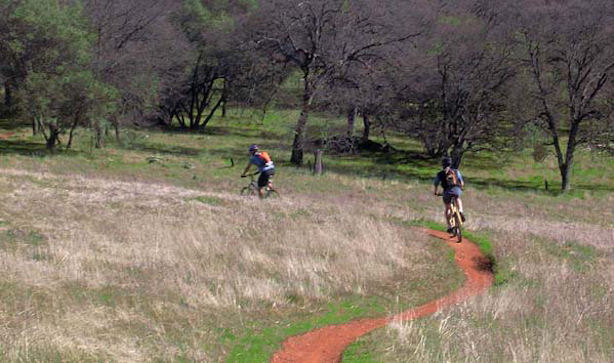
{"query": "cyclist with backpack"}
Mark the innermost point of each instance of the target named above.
(452, 183)
(263, 162)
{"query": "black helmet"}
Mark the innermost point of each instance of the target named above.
(253, 148)
(446, 162)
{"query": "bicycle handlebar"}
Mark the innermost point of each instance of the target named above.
(250, 175)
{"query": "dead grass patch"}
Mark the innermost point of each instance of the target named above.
(140, 271)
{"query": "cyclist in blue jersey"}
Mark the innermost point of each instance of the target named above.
(265, 165)
(452, 183)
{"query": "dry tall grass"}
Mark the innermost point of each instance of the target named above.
(129, 271)
(99, 269)
(557, 306)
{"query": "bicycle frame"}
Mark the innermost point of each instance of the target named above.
(455, 220)
(253, 189)
(455, 217)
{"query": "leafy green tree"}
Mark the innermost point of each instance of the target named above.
(49, 47)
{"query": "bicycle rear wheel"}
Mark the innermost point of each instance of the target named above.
(271, 193)
(457, 221)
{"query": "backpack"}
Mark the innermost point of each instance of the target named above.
(264, 156)
(451, 177)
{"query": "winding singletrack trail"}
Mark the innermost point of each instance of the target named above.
(326, 345)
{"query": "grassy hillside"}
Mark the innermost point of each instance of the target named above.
(145, 251)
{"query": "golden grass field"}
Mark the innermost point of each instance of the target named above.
(100, 269)
(113, 259)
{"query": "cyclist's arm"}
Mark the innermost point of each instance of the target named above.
(249, 165)
(460, 179)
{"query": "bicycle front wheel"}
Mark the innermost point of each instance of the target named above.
(247, 192)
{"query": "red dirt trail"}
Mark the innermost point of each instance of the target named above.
(326, 345)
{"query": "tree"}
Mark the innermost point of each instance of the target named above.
(213, 60)
(453, 95)
(49, 47)
(569, 57)
(131, 48)
(323, 38)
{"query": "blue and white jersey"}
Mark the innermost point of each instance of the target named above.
(261, 164)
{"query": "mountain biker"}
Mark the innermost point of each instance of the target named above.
(263, 162)
(452, 183)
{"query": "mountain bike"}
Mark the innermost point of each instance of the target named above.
(252, 188)
(454, 218)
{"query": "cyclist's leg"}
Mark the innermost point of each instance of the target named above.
(447, 200)
(460, 209)
(270, 181)
(263, 181)
(460, 204)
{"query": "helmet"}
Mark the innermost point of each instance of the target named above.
(446, 161)
(253, 148)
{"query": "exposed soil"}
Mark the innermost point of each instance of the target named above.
(6, 135)
(326, 345)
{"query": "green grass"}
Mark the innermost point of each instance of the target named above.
(259, 343)
(359, 352)
(495, 173)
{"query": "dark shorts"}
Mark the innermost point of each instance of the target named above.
(264, 177)
(453, 192)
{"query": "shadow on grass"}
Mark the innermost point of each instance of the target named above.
(11, 124)
(165, 149)
(32, 149)
(25, 148)
(485, 263)
(420, 167)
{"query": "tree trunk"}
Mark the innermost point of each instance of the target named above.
(71, 133)
(34, 127)
(351, 121)
(318, 168)
(297, 145)
(224, 99)
(565, 177)
(566, 167)
(53, 138)
(299, 133)
(457, 156)
(98, 135)
(117, 133)
(211, 113)
(8, 96)
(366, 120)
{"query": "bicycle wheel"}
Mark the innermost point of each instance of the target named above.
(459, 235)
(247, 192)
(457, 227)
(271, 193)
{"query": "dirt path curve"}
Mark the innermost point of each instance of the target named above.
(326, 345)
